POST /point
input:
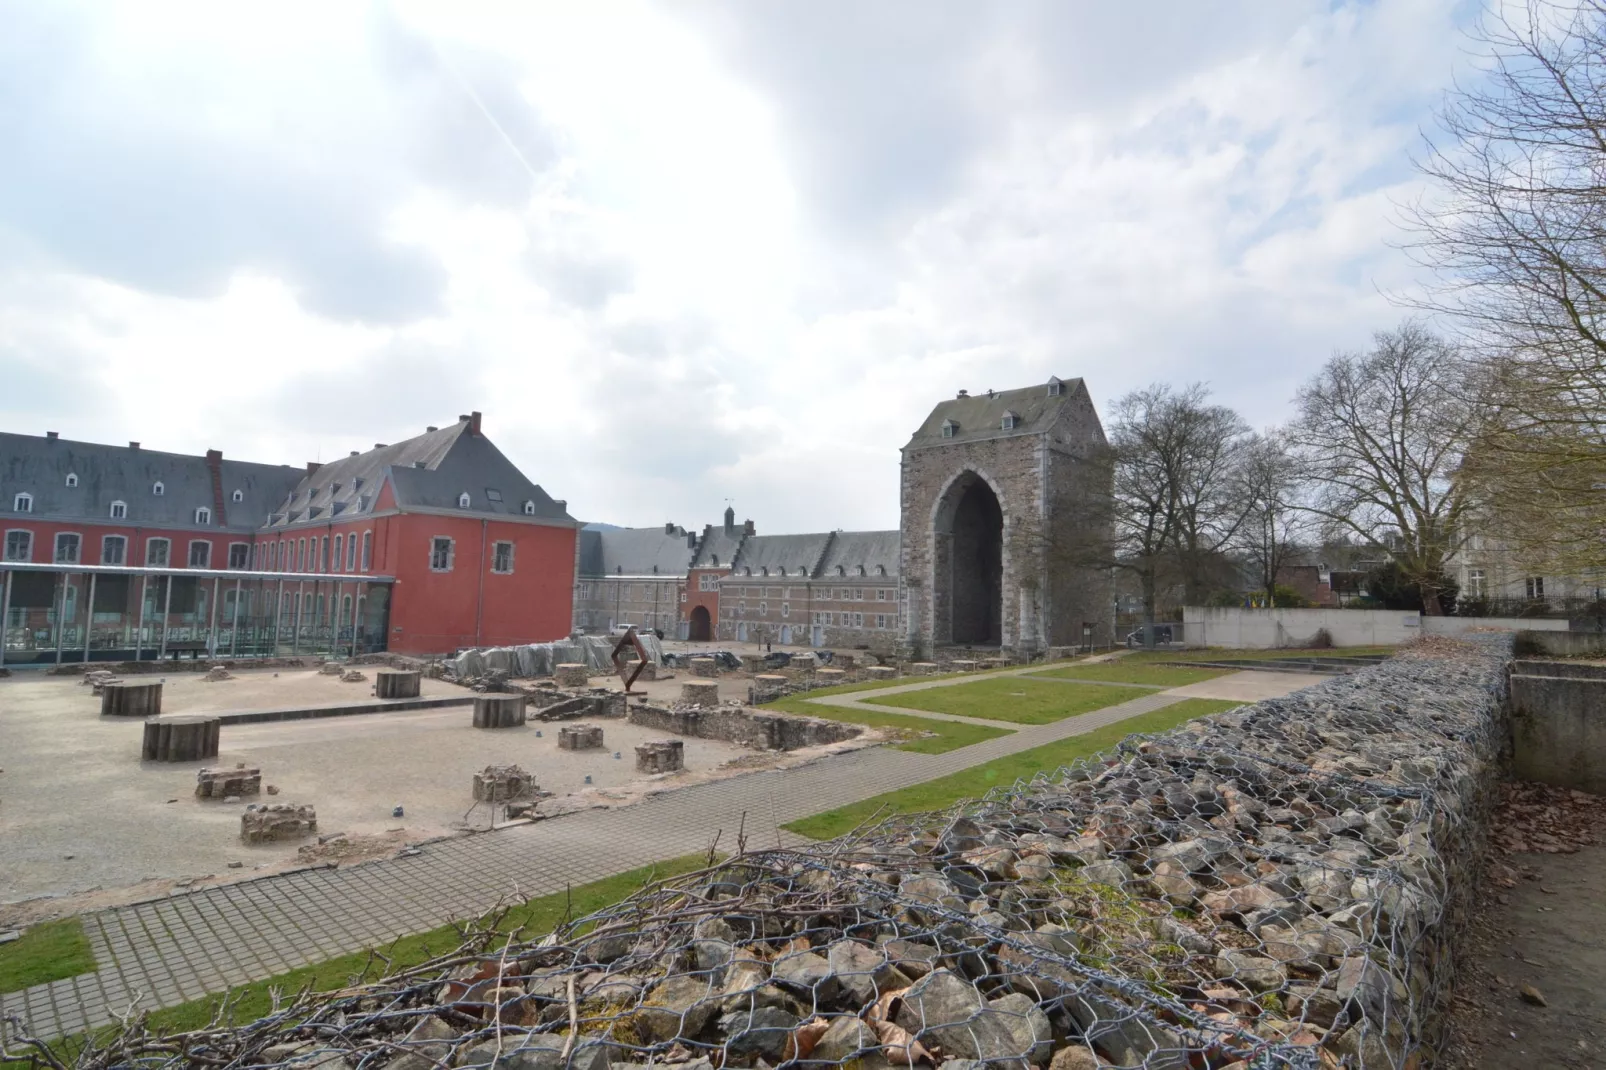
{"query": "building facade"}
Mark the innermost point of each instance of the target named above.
(425, 546)
(837, 588)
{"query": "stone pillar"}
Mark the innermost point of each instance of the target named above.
(698, 693)
(661, 756)
(804, 661)
(181, 739)
(124, 699)
(570, 674)
(843, 661)
(706, 667)
(580, 737)
(753, 663)
(498, 711)
(397, 683)
(882, 672)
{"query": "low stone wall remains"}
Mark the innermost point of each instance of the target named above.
(750, 728)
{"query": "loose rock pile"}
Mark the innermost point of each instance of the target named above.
(501, 783)
(277, 821)
(331, 668)
(1279, 886)
(661, 756)
(353, 676)
(227, 783)
(216, 673)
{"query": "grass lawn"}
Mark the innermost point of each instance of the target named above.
(946, 735)
(529, 920)
(47, 952)
(1126, 671)
(1222, 654)
(978, 780)
(1018, 699)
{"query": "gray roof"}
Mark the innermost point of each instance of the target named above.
(106, 474)
(982, 415)
(718, 546)
(797, 554)
(634, 552)
(429, 471)
(870, 550)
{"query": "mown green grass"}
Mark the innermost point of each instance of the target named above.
(978, 780)
(1222, 654)
(526, 921)
(1017, 699)
(925, 735)
(1126, 671)
(46, 952)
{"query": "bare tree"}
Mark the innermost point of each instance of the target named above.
(1270, 486)
(1381, 437)
(1516, 225)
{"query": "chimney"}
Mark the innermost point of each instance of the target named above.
(691, 540)
(561, 503)
(474, 424)
(51, 435)
(133, 445)
(989, 392)
(313, 466)
(214, 457)
(747, 527)
(354, 453)
(214, 466)
(379, 445)
(431, 427)
(964, 393)
(669, 529)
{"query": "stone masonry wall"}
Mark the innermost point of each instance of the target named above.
(764, 731)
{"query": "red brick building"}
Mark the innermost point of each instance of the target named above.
(424, 546)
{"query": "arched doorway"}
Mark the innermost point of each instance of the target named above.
(969, 544)
(702, 625)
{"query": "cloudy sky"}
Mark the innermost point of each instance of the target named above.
(688, 251)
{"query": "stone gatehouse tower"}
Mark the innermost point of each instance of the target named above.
(1002, 508)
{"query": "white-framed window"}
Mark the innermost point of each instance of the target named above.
(237, 496)
(19, 546)
(948, 428)
(858, 594)
(880, 621)
(786, 609)
(529, 508)
(273, 557)
(351, 552)
(463, 500)
(1535, 586)
(23, 502)
(858, 620)
(1055, 387)
(706, 582)
(367, 550)
(442, 551)
(200, 553)
(502, 557)
(158, 552)
(158, 489)
(113, 550)
(1475, 581)
(340, 551)
(239, 554)
(119, 510)
(1009, 422)
(763, 609)
(301, 555)
(203, 516)
(72, 479)
(69, 547)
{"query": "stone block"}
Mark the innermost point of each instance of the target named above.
(882, 672)
(128, 699)
(661, 756)
(580, 737)
(922, 668)
(277, 821)
(222, 783)
(769, 680)
(753, 663)
(397, 683)
(181, 739)
(331, 668)
(827, 677)
(995, 663)
(698, 693)
(501, 783)
(706, 667)
(570, 674)
(804, 661)
(498, 711)
(649, 672)
(844, 661)
(963, 665)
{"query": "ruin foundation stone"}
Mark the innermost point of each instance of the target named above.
(397, 683)
(498, 711)
(753, 663)
(922, 668)
(331, 668)
(661, 756)
(697, 693)
(217, 672)
(181, 739)
(223, 783)
(501, 783)
(124, 699)
(580, 737)
(277, 821)
(706, 667)
(827, 677)
(844, 661)
(882, 672)
(570, 674)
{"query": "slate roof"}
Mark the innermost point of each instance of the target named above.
(40, 465)
(718, 546)
(871, 550)
(428, 471)
(981, 417)
(634, 552)
(798, 554)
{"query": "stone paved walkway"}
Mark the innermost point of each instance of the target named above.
(168, 951)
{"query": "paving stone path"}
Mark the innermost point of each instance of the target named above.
(168, 951)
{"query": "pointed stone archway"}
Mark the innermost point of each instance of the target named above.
(702, 625)
(968, 563)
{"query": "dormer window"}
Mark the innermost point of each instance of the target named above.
(463, 500)
(203, 515)
(356, 483)
(948, 428)
(119, 510)
(158, 489)
(1055, 387)
(23, 503)
(881, 570)
(238, 495)
(765, 570)
(72, 479)
(840, 571)
(529, 508)
(1011, 421)
(861, 570)
(716, 560)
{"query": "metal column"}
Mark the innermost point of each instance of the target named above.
(167, 613)
(211, 624)
(334, 621)
(356, 603)
(278, 614)
(5, 611)
(301, 598)
(61, 618)
(234, 628)
(89, 617)
(139, 630)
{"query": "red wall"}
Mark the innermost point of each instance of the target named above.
(44, 540)
(707, 599)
